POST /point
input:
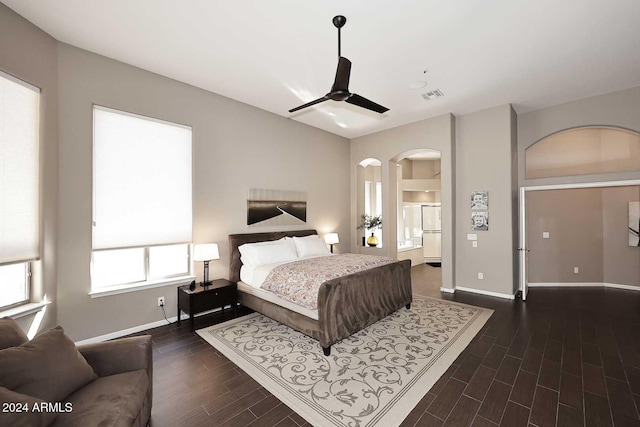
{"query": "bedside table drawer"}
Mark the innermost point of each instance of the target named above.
(214, 299)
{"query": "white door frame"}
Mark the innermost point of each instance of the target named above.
(524, 281)
(522, 249)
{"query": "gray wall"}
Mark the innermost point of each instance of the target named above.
(424, 169)
(236, 147)
(621, 262)
(391, 147)
(484, 152)
(573, 219)
(588, 230)
(28, 53)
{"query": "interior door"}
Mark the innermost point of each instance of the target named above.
(523, 250)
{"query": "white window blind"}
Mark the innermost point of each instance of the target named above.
(141, 181)
(19, 170)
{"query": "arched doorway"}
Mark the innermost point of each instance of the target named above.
(419, 215)
(583, 214)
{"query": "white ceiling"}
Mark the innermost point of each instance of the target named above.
(278, 54)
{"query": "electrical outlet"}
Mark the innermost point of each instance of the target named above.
(160, 301)
(480, 276)
(576, 270)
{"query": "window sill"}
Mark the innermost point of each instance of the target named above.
(123, 289)
(24, 310)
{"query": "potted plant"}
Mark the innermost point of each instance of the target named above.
(370, 223)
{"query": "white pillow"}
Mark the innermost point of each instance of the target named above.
(246, 251)
(270, 252)
(310, 246)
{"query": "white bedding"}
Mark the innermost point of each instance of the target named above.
(251, 278)
(254, 276)
(268, 296)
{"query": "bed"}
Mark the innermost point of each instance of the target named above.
(345, 305)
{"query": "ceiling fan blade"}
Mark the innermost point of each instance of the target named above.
(363, 102)
(309, 104)
(343, 72)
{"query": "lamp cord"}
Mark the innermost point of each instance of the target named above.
(165, 315)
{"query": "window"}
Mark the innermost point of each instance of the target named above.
(141, 199)
(138, 265)
(15, 284)
(19, 187)
(584, 151)
(370, 174)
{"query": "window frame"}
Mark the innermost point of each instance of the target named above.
(147, 283)
(18, 308)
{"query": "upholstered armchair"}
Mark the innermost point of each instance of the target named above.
(48, 381)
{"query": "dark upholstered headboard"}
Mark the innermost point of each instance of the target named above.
(236, 240)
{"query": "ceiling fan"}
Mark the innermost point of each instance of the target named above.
(340, 88)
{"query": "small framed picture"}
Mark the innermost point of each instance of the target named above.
(479, 200)
(634, 224)
(480, 221)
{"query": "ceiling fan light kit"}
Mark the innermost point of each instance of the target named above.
(417, 85)
(420, 82)
(340, 89)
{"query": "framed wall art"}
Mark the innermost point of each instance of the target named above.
(480, 220)
(276, 207)
(634, 223)
(479, 200)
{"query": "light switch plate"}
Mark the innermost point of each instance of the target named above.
(545, 234)
(474, 243)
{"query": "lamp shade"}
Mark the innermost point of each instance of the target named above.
(206, 252)
(331, 238)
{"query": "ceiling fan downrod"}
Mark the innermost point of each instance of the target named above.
(339, 22)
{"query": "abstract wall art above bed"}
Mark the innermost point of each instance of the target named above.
(634, 223)
(276, 207)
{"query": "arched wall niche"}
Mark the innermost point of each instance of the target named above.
(369, 190)
(586, 150)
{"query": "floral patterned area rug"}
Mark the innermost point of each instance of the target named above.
(373, 378)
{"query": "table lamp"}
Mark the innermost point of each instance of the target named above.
(206, 252)
(331, 239)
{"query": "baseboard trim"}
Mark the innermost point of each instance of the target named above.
(487, 293)
(133, 330)
(123, 332)
(566, 285)
(448, 290)
(620, 286)
(584, 285)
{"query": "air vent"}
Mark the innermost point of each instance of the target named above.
(432, 95)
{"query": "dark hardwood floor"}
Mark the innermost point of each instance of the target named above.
(566, 357)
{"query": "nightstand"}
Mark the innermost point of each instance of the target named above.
(219, 293)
